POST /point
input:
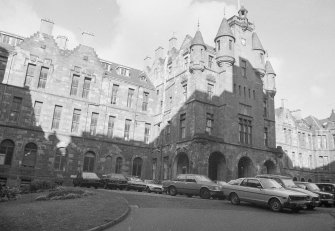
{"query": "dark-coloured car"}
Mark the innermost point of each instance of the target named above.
(326, 199)
(327, 187)
(192, 184)
(87, 179)
(135, 183)
(288, 183)
(114, 181)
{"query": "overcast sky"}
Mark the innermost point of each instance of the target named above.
(299, 35)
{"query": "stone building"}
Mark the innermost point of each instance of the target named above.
(216, 114)
(196, 108)
(309, 145)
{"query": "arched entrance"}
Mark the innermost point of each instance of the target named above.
(89, 162)
(216, 166)
(269, 167)
(137, 167)
(245, 167)
(108, 164)
(302, 180)
(181, 164)
(295, 179)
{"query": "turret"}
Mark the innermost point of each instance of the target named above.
(197, 52)
(259, 53)
(224, 44)
(269, 80)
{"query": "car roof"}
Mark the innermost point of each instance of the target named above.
(325, 183)
(273, 176)
(300, 182)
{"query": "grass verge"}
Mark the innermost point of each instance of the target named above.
(73, 214)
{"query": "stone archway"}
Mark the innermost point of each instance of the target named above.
(217, 166)
(181, 164)
(245, 167)
(269, 167)
(302, 179)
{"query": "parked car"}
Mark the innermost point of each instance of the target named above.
(288, 183)
(236, 181)
(327, 187)
(87, 179)
(135, 183)
(267, 192)
(326, 199)
(114, 181)
(192, 184)
(153, 186)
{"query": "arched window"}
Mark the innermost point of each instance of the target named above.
(309, 180)
(6, 152)
(29, 155)
(60, 159)
(295, 179)
(89, 160)
(118, 165)
(137, 166)
(302, 180)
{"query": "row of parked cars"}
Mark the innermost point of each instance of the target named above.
(275, 191)
(116, 181)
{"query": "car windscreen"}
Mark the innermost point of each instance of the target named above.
(289, 183)
(269, 183)
(203, 178)
(313, 187)
(118, 176)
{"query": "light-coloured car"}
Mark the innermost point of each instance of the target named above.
(326, 199)
(265, 192)
(153, 186)
(135, 183)
(288, 183)
(193, 184)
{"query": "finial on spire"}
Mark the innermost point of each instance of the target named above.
(224, 11)
(238, 5)
(198, 24)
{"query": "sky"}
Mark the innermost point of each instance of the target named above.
(298, 35)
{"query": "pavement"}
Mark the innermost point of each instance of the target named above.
(166, 213)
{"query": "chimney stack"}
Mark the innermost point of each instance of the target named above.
(46, 26)
(61, 41)
(283, 102)
(172, 43)
(159, 53)
(87, 39)
(147, 62)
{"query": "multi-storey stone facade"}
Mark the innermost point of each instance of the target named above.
(197, 109)
(309, 145)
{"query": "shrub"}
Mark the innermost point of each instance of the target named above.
(41, 198)
(40, 185)
(61, 191)
(71, 196)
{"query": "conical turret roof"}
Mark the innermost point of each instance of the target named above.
(224, 30)
(332, 116)
(269, 68)
(198, 40)
(256, 43)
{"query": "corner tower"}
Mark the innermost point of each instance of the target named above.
(197, 52)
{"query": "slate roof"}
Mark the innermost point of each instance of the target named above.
(269, 68)
(198, 40)
(224, 30)
(256, 43)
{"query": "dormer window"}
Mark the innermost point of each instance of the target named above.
(218, 43)
(122, 71)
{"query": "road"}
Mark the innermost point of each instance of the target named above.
(166, 213)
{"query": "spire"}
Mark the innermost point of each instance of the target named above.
(198, 40)
(268, 68)
(256, 43)
(332, 116)
(224, 30)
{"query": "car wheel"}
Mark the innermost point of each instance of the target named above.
(275, 205)
(205, 193)
(189, 195)
(172, 191)
(234, 199)
(148, 190)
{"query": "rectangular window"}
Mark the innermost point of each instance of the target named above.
(186, 62)
(310, 161)
(111, 122)
(123, 71)
(94, 123)
(265, 107)
(209, 123)
(321, 162)
(218, 45)
(170, 100)
(147, 133)
(15, 110)
(57, 116)
(130, 97)
(300, 160)
(74, 85)
(127, 129)
(266, 137)
(293, 159)
(43, 77)
(86, 87)
(145, 101)
(37, 112)
(185, 92)
(168, 131)
(154, 168)
(245, 131)
(210, 61)
(3, 63)
(334, 139)
(30, 74)
(230, 44)
(325, 163)
(183, 125)
(244, 68)
(75, 120)
(261, 57)
(114, 93)
(254, 93)
(210, 88)
(165, 167)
